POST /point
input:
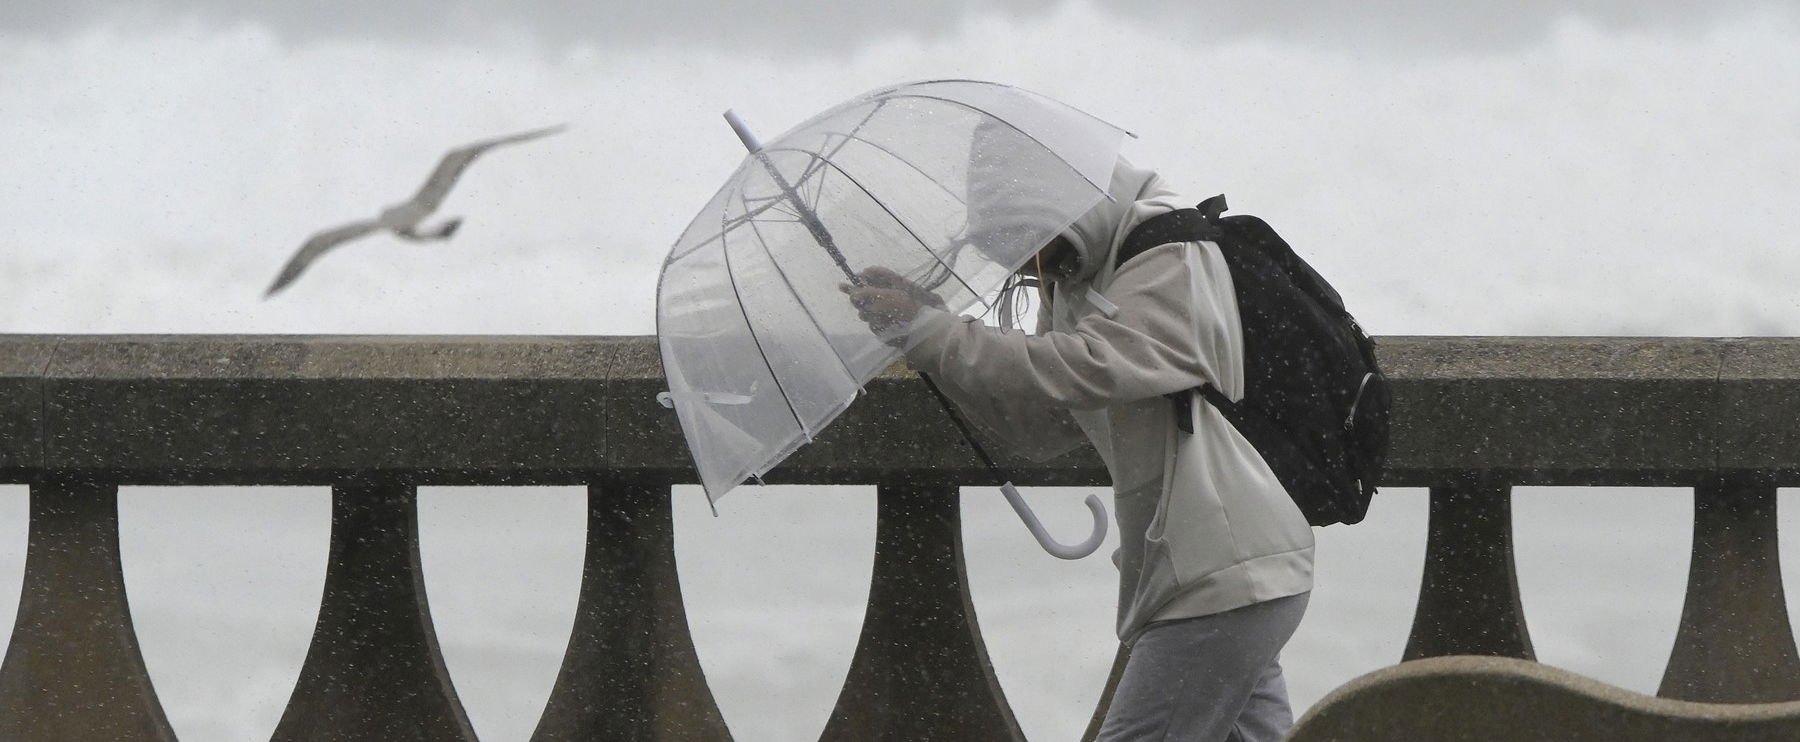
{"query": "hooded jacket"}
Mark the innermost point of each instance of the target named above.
(1204, 525)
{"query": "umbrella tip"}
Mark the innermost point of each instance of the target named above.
(743, 131)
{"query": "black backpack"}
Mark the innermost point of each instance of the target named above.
(1315, 404)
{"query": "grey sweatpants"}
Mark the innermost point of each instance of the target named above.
(1209, 679)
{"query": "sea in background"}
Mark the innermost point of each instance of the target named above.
(1593, 177)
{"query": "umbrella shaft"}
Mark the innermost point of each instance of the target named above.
(962, 426)
(810, 219)
(806, 214)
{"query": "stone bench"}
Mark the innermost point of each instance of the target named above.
(1499, 699)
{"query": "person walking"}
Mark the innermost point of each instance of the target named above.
(1215, 559)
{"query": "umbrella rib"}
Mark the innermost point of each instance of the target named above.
(885, 150)
(789, 283)
(756, 338)
(731, 223)
(910, 233)
(806, 214)
(944, 267)
(819, 158)
(808, 217)
(818, 186)
(909, 163)
(878, 104)
(1039, 142)
(819, 161)
(1015, 89)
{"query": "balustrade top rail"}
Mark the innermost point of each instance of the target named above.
(374, 416)
(216, 409)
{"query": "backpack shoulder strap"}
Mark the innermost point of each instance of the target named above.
(1180, 225)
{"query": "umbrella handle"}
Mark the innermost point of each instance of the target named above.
(1044, 539)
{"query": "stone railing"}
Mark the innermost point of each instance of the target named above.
(375, 417)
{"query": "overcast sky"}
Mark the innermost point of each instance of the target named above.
(1455, 169)
(808, 27)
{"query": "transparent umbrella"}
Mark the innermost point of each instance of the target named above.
(952, 183)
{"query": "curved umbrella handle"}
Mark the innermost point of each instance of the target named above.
(1043, 537)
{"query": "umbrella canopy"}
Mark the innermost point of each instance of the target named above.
(954, 184)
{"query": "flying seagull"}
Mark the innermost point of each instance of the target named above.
(403, 219)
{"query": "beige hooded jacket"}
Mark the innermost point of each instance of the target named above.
(1204, 525)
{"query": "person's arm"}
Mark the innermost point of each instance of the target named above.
(1034, 430)
(1159, 341)
(894, 309)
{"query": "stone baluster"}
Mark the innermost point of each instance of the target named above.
(921, 670)
(630, 671)
(73, 670)
(1735, 644)
(1469, 594)
(374, 671)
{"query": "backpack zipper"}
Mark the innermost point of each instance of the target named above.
(1350, 419)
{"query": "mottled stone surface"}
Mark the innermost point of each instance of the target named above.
(1479, 414)
(22, 362)
(270, 409)
(1759, 407)
(1735, 643)
(921, 669)
(73, 668)
(640, 434)
(630, 670)
(1493, 699)
(1469, 591)
(374, 669)
(1553, 410)
(278, 408)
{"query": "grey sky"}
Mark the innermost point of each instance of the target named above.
(1514, 174)
(828, 26)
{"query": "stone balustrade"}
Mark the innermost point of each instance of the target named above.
(376, 417)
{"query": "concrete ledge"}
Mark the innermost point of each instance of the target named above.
(23, 359)
(1492, 699)
(273, 409)
(1759, 406)
(316, 409)
(1556, 410)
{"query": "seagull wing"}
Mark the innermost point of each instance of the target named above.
(451, 167)
(315, 246)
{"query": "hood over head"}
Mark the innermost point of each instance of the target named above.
(1021, 196)
(1096, 233)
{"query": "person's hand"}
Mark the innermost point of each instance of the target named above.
(886, 300)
